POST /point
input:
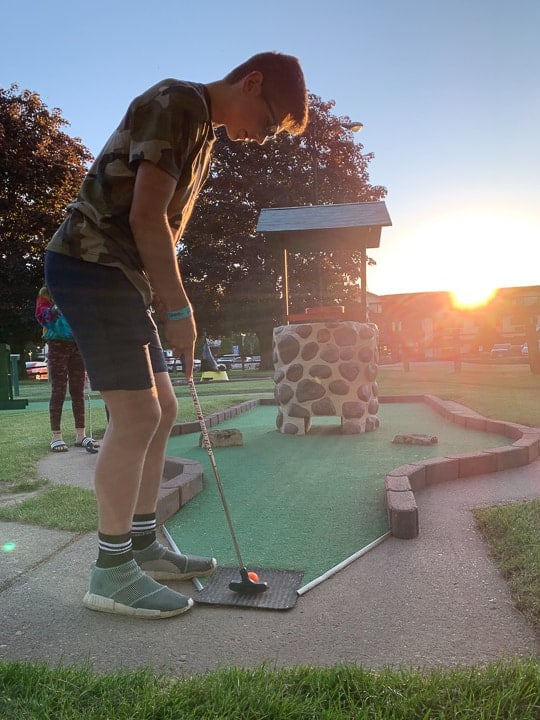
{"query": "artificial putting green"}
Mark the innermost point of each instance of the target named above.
(306, 502)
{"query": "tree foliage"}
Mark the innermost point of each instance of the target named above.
(233, 275)
(41, 169)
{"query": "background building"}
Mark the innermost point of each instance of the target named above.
(429, 325)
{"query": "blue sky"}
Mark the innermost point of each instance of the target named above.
(449, 94)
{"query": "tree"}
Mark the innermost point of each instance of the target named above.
(41, 169)
(233, 276)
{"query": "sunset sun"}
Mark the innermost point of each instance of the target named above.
(472, 294)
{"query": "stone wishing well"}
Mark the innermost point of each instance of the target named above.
(326, 365)
(326, 369)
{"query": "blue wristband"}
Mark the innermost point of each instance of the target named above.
(180, 314)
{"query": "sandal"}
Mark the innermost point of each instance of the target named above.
(58, 446)
(86, 441)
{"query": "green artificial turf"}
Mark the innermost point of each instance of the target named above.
(306, 502)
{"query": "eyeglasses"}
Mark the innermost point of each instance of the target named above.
(272, 128)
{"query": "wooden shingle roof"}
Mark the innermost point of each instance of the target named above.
(325, 227)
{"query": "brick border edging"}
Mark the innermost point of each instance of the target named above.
(402, 482)
(183, 479)
(218, 417)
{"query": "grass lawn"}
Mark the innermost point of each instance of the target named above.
(513, 533)
(502, 691)
(504, 392)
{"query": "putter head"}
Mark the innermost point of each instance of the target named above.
(247, 586)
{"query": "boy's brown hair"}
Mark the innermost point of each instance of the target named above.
(283, 84)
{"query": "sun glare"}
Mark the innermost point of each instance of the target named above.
(472, 295)
(469, 253)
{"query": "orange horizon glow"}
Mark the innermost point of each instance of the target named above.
(470, 253)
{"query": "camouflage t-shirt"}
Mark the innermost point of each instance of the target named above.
(169, 125)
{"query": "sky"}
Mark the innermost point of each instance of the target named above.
(448, 91)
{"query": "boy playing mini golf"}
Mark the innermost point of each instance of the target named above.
(115, 251)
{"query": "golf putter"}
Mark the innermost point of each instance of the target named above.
(89, 447)
(245, 586)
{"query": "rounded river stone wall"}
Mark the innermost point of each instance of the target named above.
(325, 369)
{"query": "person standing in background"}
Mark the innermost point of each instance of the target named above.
(66, 366)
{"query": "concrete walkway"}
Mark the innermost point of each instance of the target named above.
(437, 600)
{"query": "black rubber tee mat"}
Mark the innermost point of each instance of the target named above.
(281, 594)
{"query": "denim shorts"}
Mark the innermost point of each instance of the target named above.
(115, 332)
